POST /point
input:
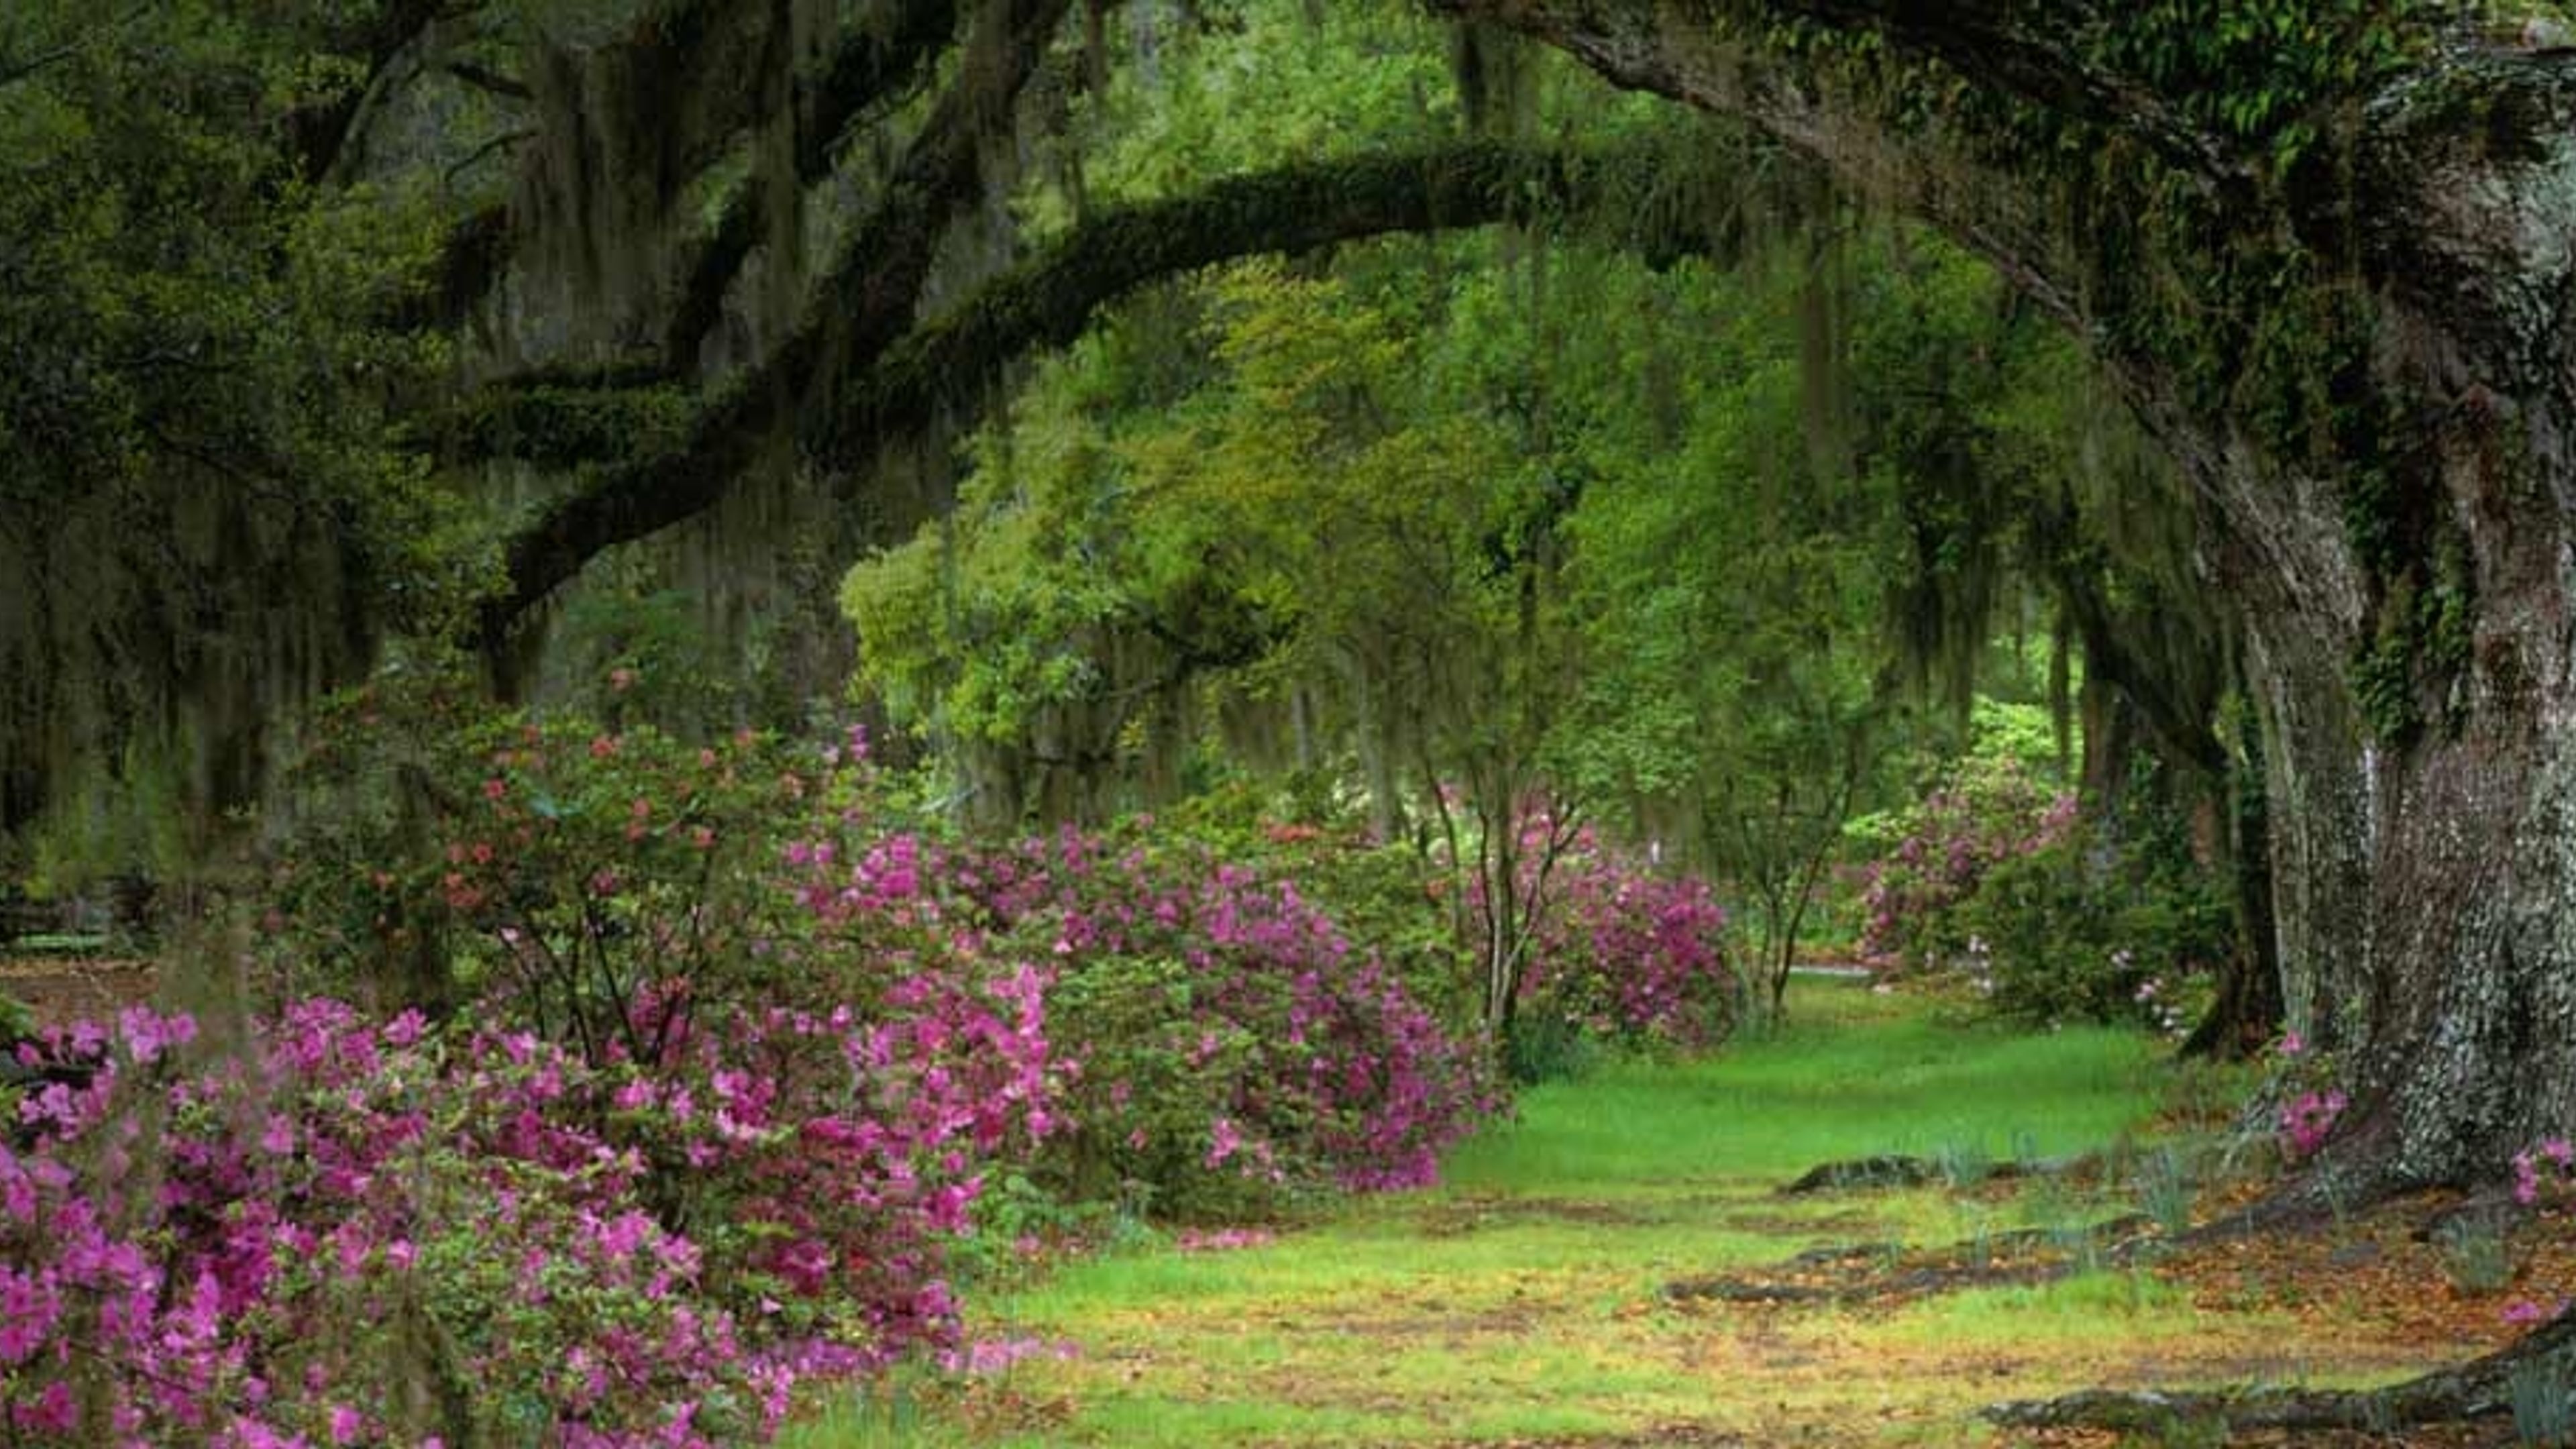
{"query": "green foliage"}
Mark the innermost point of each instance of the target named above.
(2257, 70)
(2543, 1401)
(563, 863)
(1550, 1046)
(2477, 1254)
(2092, 927)
(210, 514)
(2166, 1191)
(1150, 1143)
(1322, 79)
(1381, 893)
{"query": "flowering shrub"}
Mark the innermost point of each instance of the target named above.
(742, 1056)
(708, 1132)
(815, 1066)
(1233, 1042)
(2047, 917)
(368, 1234)
(555, 864)
(1623, 953)
(348, 1237)
(1941, 853)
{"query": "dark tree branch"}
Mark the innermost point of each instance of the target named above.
(2480, 1388)
(2035, 52)
(507, 140)
(1046, 301)
(468, 263)
(868, 67)
(485, 79)
(864, 69)
(867, 302)
(14, 71)
(695, 50)
(887, 390)
(320, 133)
(1693, 51)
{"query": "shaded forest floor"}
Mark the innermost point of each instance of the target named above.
(1619, 1267)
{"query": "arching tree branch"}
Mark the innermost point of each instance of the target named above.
(867, 301)
(2043, 54)
(886, 390)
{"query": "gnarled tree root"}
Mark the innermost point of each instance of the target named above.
(2477, 1389)
(1893, 1170)
(1880, 1270)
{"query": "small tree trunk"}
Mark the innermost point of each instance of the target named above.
(2247, 1009)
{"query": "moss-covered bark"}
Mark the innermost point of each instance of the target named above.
(877, 382)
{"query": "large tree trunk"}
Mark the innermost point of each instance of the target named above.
(2405, 589)
(2427, 874)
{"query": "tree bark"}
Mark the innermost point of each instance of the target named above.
(2405, 592)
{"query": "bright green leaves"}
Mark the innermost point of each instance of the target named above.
(979, 624)
(1320, 79)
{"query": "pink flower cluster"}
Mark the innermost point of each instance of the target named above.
(1624, 951)
(2555, 1153)
(1223, 1026)
(354, 1233)
(1952, 838)
(2308, 1120)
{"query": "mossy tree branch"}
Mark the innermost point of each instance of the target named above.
(885, 386)
(864, 71)
(867, 70)
(867, 301)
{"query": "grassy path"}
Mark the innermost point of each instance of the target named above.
(1520, 1303)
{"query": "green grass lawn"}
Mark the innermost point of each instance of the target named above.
(1520, 1301)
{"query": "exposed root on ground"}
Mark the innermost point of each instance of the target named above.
(1893, 1170)
(1887, 1271)
(2477, 1389)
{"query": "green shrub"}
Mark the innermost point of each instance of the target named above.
(2079, 930)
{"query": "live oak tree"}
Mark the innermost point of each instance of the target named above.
(321, 324)
(202, 514)
(2319, 245)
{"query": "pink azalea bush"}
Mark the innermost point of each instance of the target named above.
(1945, 846)
(1625, 952)
(717, 1066)
(1233, 1043)
(361, 1233)
(355, 1233)
(2048, 917)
